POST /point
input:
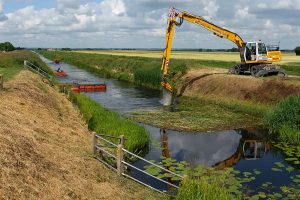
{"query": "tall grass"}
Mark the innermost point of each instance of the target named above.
(104, 121)
(284, 120)
(210, 184)
(12, 62)
(195, 189)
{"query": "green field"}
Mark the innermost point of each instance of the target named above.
(13, 62)
(290, 61)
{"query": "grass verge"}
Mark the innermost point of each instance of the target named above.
(104, 121)
(284, 119)
(11, 63)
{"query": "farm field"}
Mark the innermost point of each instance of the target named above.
(288, 58)
(290, 62)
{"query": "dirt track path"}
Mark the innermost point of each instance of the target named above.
(45, 149)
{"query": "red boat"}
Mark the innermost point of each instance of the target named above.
(89, 88)
(60, 74)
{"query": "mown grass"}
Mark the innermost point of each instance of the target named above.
(11, 63)
(200, 114)
(107, 122)
(284, 120)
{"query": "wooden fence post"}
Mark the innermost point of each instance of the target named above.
(25, 63)
(184, 179)
(1, 82)
(120, 156)
(94, 143)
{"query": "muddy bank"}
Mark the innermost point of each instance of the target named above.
(218, 84)
(45, 148)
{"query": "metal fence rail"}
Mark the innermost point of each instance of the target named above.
(99, 143)
(36, 69)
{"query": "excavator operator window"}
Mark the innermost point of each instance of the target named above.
(262, 48)
(251, 51)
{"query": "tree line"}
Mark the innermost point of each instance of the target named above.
(6, 46)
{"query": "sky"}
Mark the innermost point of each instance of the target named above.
(142, 23)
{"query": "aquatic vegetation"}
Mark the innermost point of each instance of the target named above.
(207, 183)
(107, 122)
(292, 153)
(202, 114)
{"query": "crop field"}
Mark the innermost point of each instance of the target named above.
(288, 58)
(193, 59)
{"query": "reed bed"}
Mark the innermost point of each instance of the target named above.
(107, 122)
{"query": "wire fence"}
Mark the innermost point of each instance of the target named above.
(113, 155)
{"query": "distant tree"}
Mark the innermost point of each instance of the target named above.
(6, 46)
(297, 51)
(234, 49)
(66, 49)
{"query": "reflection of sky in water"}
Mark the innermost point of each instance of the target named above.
(205, 148)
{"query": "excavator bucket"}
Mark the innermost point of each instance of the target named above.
(166, 98)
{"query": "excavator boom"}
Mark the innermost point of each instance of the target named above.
(255, 57)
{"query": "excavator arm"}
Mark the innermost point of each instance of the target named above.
(172, 22)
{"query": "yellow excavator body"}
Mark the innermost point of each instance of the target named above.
(255, 56)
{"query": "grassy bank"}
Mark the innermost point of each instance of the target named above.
(138, 70)
(283, 120)
(11, 63)
(46, 148)
(104, 121)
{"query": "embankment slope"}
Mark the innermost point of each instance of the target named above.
(218, 84)
(45, 149)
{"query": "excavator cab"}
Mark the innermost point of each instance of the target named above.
(253, 52)
(253, 149)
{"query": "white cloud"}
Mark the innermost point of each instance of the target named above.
(116, 7)
(211, 8)
(142, 23)
(67, 4)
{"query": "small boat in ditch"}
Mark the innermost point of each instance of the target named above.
(88, 87)
(60, 73)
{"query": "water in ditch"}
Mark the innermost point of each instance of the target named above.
(243, 150)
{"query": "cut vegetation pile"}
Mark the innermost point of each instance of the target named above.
(46, 149)
(244, 88)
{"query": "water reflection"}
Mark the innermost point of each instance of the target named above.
(251, 147)
(219, 150)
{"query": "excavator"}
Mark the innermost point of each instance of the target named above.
(256, 57)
